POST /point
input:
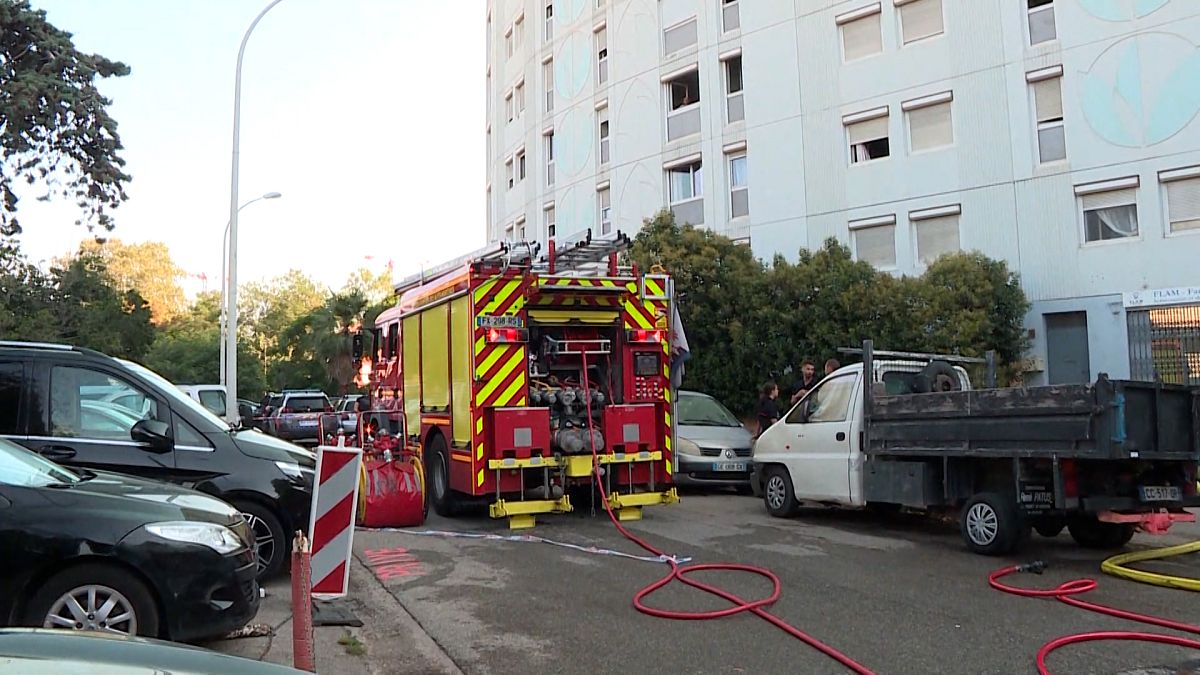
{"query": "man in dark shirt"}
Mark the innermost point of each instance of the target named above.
(808, 380)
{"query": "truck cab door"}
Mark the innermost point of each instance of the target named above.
(821, 426)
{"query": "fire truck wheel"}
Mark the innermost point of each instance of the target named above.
(1090, 532)
(437, 469)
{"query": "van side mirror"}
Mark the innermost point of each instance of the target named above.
(156, 436)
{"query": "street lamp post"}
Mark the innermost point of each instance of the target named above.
(231, 411)
(224, 272)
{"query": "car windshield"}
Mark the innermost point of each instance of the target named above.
(306, 404)
(704, 411)
(23, 468)
(178, 398)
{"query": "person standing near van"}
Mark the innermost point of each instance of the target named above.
(831, 366)
(808, 380)
(768, 407)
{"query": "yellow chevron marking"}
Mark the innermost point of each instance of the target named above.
(653, 287)
(668, 441)
(562, 282)
(669, 467)
(608, 282)
(484, 289)
(517, 386)
(667, 394)
(480, 344)
(478, 425)
(632, 286)
(585, 282)
(501, 297)
(668, 418)
(634, 312)
(479, 477)
(486, 393)
(479, 452)
(498, 352)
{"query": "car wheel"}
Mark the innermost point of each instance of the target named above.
(437, 470)
(1089, 532)
(778, 494)
(95, 598)
(991, 525)
(270, 542)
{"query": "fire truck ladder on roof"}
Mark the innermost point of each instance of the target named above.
(583, 253)
(513, 253)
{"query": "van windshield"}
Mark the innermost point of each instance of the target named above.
(178, 398)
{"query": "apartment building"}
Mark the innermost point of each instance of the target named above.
(1058, 135)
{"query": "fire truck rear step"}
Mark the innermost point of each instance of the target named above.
(521, 514)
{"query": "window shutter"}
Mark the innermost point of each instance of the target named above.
(1047, 96)
(862, 37)
(876, 245)
(868, 130)
(1183, 203)
(921, 19)
(936, 237)
(931, 126)
(1109, 199)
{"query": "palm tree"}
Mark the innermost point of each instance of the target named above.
(324, 336)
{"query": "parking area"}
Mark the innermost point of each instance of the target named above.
(899, 595)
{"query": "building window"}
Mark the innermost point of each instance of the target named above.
(1183, 204)
(862, 35)
(731, 19)
(490, 224)
(602, 55)
(602, 124)
(1048, 110)
(520, 165)
(549, 158)
(679, 37)
(548, 78)
(868, 138)
(1108, 215)
(549, 21)
(519, 95)
(508, 232)
(739, 193)
(521, 228)
(685, 186)
(930, 122)
(519, 31)
(604, 203)
(508, 105)
(508, 171)
(935, 232)
(921, 19)
(735, 108)
(1041, 21)
(683, 108)
(548, 218)
(508, 42)
(875, 241)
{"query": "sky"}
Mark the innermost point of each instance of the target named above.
(367, 115)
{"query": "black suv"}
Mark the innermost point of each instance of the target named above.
(81, 408)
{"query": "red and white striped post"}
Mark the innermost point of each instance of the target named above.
(331, 522)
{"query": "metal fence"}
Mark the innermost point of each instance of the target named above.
(1164, 343)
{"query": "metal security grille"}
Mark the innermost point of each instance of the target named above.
(1164, 343)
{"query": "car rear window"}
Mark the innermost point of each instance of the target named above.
(304, 404)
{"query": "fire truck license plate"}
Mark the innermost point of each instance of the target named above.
(729, 466)
(1160, 494)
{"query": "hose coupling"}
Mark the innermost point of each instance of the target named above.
(1036, 567)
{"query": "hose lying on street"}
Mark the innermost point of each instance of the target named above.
(679, 573)
(1116, 566)
(1066, 593)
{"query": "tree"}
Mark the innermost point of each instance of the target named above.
(91, 312)
(375, 287)
(267, 309)
(147, 268)
(54, 124)
(323, 337)
(26, 297)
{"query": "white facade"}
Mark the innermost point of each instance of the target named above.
(904, 128)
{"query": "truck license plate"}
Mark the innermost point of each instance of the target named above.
(308, 423)
(1160, 493)
(729, 466)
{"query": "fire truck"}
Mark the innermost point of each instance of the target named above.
(507, 370)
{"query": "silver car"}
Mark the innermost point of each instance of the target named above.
(714, 447)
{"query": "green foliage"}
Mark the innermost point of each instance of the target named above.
(322, 338)
(76, 304)
(146, 267)
(54, 124)
(747, 323)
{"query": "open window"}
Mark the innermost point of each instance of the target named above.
(829, 402)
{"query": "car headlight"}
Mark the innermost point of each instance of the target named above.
(217, 537)
(295, 471)
(686, 447)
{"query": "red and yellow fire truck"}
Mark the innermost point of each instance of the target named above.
(483, 360)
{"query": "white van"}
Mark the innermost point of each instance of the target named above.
(211, 396)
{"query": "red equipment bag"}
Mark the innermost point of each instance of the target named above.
(392, 494)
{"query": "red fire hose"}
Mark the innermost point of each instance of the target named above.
(679, 573)
(1065, 593)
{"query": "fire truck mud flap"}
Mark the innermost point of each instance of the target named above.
(522, 514)
(629, 506)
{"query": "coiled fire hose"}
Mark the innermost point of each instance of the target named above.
(679, 573)
(1117, 567)
(1066, 593)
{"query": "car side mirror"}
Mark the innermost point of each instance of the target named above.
(156, 436)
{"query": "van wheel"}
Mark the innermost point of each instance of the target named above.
(270, 542)
(437, 469)
(1090, 532)
(778, 493)
(95, 598)
(991, 524)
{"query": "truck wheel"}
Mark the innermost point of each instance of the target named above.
(1049, 527)
(1090, 532)
(437, 472)
(991, 524)
(778, 494)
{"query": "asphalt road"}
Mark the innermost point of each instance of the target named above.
(899, 595)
